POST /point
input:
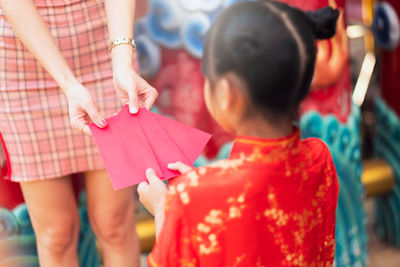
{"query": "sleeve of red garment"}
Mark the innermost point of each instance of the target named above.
(173, 247)
(332, 199)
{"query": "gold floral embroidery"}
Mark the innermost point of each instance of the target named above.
(188, 262)
(284, 142)
(201, 227)
(258, 263)
(234, 212)
(306, 221)
(214, 217)
(184, 196)
(202, 171)
(229, 164)
(214, 223)
(207, 231)
(193, 177)
(239, 260)
(212, 245)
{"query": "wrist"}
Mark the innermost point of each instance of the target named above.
(122, 56)
(159, 211)
(159, 207)
(66, 82)
(159, 218)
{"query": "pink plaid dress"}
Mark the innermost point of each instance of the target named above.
(34, 118)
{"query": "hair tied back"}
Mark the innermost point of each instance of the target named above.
(324, 22)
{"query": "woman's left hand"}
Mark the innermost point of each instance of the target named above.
(133, 89)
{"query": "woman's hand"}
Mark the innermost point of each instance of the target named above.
(82, 109)
(152, 194)
(133, 89)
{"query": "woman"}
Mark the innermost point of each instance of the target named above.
(56, 71)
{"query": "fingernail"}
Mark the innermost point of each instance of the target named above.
(133, 110)
(171, 165)
(102, 123)
(149, 171)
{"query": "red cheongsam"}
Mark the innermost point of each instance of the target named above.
(272, 203)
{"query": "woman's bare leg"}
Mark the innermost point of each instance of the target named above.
(54, 214)
(111, 214)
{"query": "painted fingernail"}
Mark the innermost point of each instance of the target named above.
(103, 123)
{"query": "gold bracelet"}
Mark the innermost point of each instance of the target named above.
(123, 40)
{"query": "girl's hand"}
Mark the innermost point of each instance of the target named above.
(152, 194)
(133, 89)
(82, 109)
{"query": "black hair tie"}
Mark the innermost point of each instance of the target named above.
(323, 21)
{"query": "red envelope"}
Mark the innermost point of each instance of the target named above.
(191, 140)
(131, 144)
(164, 148)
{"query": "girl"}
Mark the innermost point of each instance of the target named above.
(273, 201)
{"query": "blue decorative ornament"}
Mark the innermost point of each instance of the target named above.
(200, 5)
(193, 33)
(18, 242)
(164, 20)
(149, 56)
(386, 26)
(387, 146)
(175, 24)
(343, 141)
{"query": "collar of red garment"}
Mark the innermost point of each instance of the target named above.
(245, 145)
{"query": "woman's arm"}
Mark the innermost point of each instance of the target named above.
(120, 17)
(33, 32)
(130, 87)
(31, 29)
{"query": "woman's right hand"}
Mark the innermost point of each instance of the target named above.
(82, 109)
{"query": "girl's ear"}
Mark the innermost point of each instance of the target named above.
(223, 94)
(236, 96)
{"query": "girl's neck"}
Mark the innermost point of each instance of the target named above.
(263, 129)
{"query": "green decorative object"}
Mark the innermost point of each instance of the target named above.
(387, 146)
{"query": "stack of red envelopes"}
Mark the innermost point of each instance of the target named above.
(132, 143)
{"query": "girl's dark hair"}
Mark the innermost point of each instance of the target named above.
(271, 47)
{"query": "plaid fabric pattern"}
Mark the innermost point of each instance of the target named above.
(33, 111)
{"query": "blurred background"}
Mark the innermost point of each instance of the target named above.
(354, 106)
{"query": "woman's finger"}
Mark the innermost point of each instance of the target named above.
(86, 130)
(80, 125)
(95, 116)
(153, 94)
(133, 100)
(179, 166)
